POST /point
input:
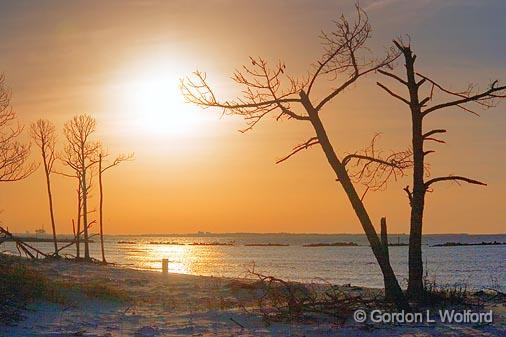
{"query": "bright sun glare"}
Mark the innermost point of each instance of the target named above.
(155, 107)
(160, 108)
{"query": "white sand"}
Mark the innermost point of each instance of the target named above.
(185, 305)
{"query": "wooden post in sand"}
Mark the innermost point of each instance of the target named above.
(165, 266)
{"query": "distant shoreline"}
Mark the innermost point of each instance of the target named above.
(213, 234)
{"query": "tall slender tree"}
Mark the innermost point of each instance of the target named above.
(422, 104)
(67, 159)
(102, 168)
(266, 89)
(81, 151)
(14, 155)
(44, 135)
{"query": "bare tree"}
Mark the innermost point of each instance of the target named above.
(80, 152)
(102, 168)
(44, 135)
(14, 156)
(419, 107)
(269, 89)
(67, 159)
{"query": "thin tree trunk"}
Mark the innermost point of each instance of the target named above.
(50, 197)
(85, 209)
(388, 274)
(415, 281)
(78, 235)
(100, 207)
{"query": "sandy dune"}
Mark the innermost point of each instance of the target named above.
(186, 305)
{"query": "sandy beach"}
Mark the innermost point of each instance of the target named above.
(150, 303)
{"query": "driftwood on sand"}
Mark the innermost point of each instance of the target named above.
(21, 246)
(30, 251)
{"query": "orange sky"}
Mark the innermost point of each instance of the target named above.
(121, 61)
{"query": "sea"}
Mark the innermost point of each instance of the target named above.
(287, 256)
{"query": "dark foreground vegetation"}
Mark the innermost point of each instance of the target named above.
(21, 284)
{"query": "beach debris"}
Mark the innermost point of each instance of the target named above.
(21, 246)
(284, 301)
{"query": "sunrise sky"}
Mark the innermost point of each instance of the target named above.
(121, 61)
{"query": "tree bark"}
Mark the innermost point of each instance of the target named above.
(101, 202)
(84, 189)
(78, 232)
(390, 290)
(389, 277)
(50, 197)
(415, 282)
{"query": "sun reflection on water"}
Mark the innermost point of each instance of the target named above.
(184, 257)
(180, 257)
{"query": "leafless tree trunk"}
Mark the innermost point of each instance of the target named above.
(270, 89)
(43, 133)
(101, 203)
(80, 154)
(419, 111)
(78, 231)
(101, 170)
(84, 191)
(14, 156)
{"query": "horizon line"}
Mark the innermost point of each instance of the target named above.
(203, 233)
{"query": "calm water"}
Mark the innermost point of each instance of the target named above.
(473, 266)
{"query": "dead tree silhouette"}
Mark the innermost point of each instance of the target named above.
(102, 168)
(79, 152)
(418, 103)
(68, 159)
(269, 90)
(14, 156)
(44, 135)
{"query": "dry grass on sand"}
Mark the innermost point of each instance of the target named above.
(62, 298)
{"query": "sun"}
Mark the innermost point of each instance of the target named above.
(150, 104)
(160, 108)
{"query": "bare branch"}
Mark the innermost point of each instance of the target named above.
(454, 179)
(263, 92)
(386, 73)
(393, 93)
(14, 156)
(304, 146)
(373, 170)
(485, 99)
(79, 154)
(43, 133)
(433, 132)
(435, 140)
(388, 59)
(409, 193)
(267, 89)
